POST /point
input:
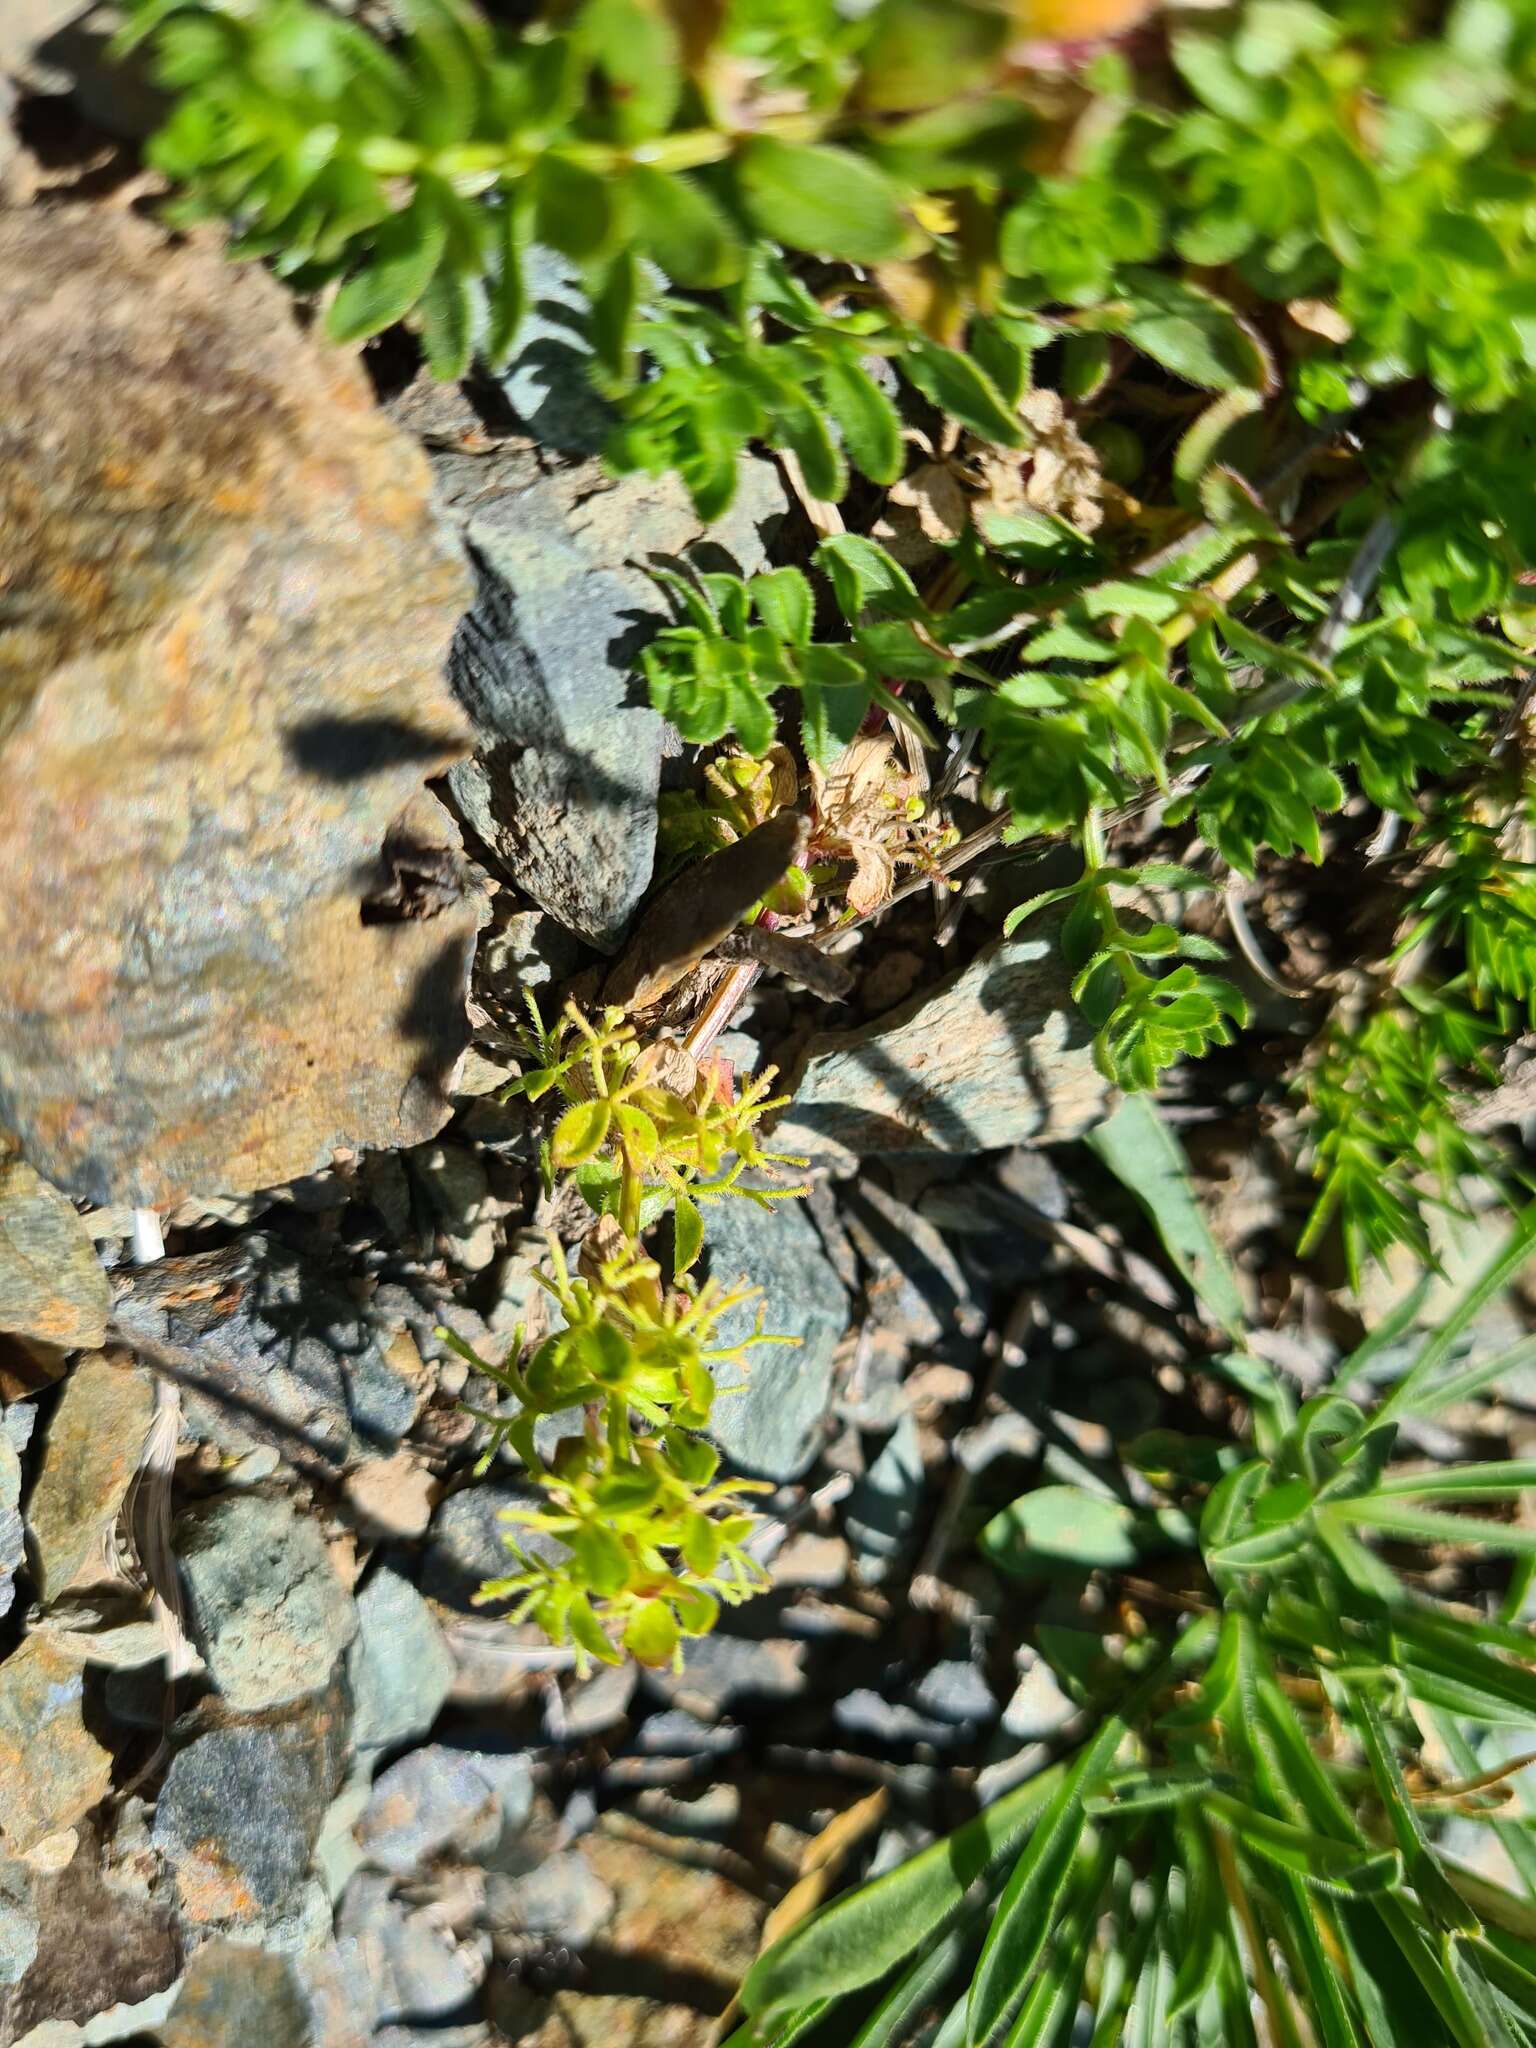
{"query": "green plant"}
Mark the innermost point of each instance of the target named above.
(1242, 1845)
(639, 1538)
(1219, 342)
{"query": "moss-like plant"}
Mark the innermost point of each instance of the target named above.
(638, 1538)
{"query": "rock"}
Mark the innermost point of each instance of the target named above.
(673, 1916)
(458, 1191)
(26, 24)
(255, 1305)
(994, 1055)
(869, 1717)
(724, 1671)
(591, 1706)
(1039, 1708)
(267, 1610)
(955, 1692)
(1006, 1434)
(89, 1458)
(913, 1282)
(548, 382)
(102, 1945)
(1032, 1177)
(422, 1976)
(818, 1562)
(233, 1993)
(392, 1497)
(562, 789)
(587, 2019)
(708, 1812)
(54, 1295)
(676, 1732)
(465, 1545)
(562, 1900)
(18, 1921)
(772, 1429)
(12, 1532)
(241, 1810)
(399, 1666)
(437, 1797)
(882, 1508)
(52, 1768)
(223, 685)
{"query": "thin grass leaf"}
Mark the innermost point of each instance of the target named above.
(1430, 1525)
(1146, 1158)
(1417, 1384)
(857, 1939)
(1022, 1922)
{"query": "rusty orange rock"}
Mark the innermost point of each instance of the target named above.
(225, 605)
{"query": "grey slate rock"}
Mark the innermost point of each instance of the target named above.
(18, 1920)
(241, 1810)
(562, 1899)
(465, 1545)
(676, 1732)
(869, 1716)
(276, 1337)
(954, 1691)
(562, 787)
(724, 1671)
(232, 1992)
(882, 1508)
(547, 381)
(419, 1976)
(399, 1666)
(1039, 1707)
(267, 1609)
(592, 1705)
(437, 1798)
(12, 1534)
(995, 1055)
(772, 1428)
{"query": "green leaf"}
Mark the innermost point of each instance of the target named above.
(888, 2026)
(784, 604)
(1416, 1392)
(650, 1636)
(960, 387)
(1455, 1482)
(821, 199)
(867, 420)
(1061, 1525)
(1316, 1859)
(821, 460)
(448, 324)
(573, 207)
(1021, 1925)
(856, 1940)
(581, 1132)
(506, 295)
(687, 1235)
(1192, 333)
(402, 256)
(1144, 1155)
(864, 575)
(635, 48)
(679, 224)
(1433, 1525)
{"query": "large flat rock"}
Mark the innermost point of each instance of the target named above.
(227, 602)
(996, 1055)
